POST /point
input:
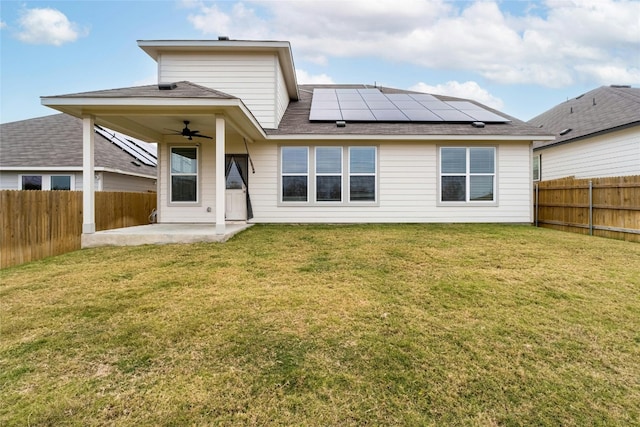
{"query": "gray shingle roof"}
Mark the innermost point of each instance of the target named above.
(296, 121)
(56, 141)
(183, 89)
(604, 109)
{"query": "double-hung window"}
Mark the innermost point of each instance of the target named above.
(467, 174)
(328, 174)
(324, 175)
(295, 174)
(184, 174)
(362, 174)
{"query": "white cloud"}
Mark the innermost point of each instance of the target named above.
(468, 90)
(304, 77)
(554, 44)
(3, 25)
(47, 26)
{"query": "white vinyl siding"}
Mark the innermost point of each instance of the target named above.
(118, 182)
(254, 78)
(407, 179)
(612, 154)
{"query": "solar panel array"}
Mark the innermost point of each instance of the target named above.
(142, 151)
(371, 105)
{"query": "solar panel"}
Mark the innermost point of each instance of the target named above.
(139, 150)
(373, 105)
(390, 116)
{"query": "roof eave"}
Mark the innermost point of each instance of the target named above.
(234, 109)
(363, 137)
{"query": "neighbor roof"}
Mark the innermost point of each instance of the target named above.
(605, 109)
(56, 141)
(296, 121)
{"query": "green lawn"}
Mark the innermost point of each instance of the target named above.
(328, 326)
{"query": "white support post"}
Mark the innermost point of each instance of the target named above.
(220, 175)
(88, 176)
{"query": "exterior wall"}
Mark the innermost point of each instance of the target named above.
(408, 188)
(612, 154)
(282, 95)
(191, 212)
(254, 78)
(118, 182)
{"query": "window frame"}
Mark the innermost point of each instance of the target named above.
(306, 174)
(312, 175)
(467, 175)
(45, 180)
(374, 174)
(538, 176)
(196, 174)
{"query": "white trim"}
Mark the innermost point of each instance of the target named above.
(198, 176)
(360, 137)
(467, 175)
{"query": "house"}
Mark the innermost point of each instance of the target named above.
(597, 135)
(45, 153)
(239, 139)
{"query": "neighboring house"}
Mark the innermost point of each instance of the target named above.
(45, 153)
(597, 135)
(269, 150)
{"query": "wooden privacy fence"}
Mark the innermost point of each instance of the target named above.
(38, 224)
(607, 207)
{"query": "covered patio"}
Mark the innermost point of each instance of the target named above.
(156, 113)
(160, 234)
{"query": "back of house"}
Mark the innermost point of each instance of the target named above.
(239, 139)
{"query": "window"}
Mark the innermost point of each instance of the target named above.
(536, 167)
(184, 174)
(362, 174)
(467, 174)
(31, 182)
(329, 174)
(60, 182)
(295, 174)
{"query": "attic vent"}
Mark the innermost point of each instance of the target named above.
(477, 124)
(341, 123)
(223, 38)
(167, 86)
(565, 131)
(621, 86)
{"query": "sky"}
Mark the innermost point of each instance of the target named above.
(520, 57)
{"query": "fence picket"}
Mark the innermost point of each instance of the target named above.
(38, 224)
(563, 204)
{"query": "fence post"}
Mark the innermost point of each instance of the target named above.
(537, 213)
(590, 208)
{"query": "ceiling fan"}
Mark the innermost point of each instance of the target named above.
(188, 133)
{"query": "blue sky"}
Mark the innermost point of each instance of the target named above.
(521, 57)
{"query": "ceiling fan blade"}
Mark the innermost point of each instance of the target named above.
(201, 136)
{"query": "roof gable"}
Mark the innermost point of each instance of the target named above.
(603, 109)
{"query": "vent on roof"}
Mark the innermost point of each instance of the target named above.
(223, 38)
(565, 131)
(341, 123)
(477, 124)
(167, 86)
(621, 86)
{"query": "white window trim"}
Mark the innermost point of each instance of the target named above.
(467, 176)
(282, 174)
(46, 180)
(374, 174)
(345, 178)
(197, 175)
(539, 157)
(317, 174)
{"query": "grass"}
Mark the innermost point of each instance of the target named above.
(328, 326)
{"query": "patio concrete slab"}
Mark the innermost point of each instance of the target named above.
(159, 234)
